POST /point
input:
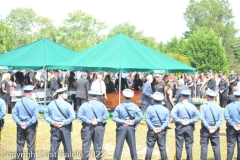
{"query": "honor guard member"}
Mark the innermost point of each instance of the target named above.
(124, 116)
(25, 114)
(185, 115)
(2, 113)
(212, 117)
(92, 114)
(60, 115)
(232, 116)
(157, 118)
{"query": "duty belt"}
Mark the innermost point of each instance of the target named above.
(87, 125)
(118, 125)
(192, 125)
(208, 124)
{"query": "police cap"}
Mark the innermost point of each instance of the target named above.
(157, 96)
(237, 93)
(186, 92)
(28, 88)
(93, 92)
(128, 93)
(211, 93)
(61, 90)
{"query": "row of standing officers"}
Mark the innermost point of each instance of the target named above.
(127, 116)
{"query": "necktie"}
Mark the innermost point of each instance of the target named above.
(157, 88)
(100, 87)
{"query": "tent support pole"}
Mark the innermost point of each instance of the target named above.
(119, 80)
(195, 84)
(45, 87)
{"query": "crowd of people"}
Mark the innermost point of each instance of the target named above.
(164, 99)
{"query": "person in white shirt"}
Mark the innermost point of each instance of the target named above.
(99, 85)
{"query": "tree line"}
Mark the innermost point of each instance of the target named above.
(210, 43)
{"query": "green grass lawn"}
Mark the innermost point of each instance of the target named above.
(43, 142)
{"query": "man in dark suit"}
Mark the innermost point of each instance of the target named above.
(55, 82)
(82, 90)
(231, 97)
(124, 84)
(180, 88)
(146, 94)
(211, 83)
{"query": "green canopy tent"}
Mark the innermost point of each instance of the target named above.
(121, 54)
(34, 56)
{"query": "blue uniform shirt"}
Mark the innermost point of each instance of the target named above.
(85, 113)
(178, 112)
(53, 115)
(152, 118)
(2, 108)
(20, 115)
(120, 115)
(231, 113)
(207, 117)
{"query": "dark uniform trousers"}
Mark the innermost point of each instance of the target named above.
(29, 135)
(80, 101)
(215, 142)
(184, 133)
(233, 136)
(91, 133)
(100, 98)
(223, 99)
(152, 137)
(59, 135)
(128, 133)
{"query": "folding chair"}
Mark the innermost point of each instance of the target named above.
(16, 96)
(34, 97)
(40, 96)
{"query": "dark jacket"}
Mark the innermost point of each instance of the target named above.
(178, 94)
(123, 84)
(55, 84)
(82, 88)
(110, 87)
(231, 98)
(212, 84)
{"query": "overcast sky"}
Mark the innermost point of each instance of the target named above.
(162, 19)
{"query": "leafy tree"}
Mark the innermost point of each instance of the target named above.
(45, 29)
(80, 31)
(131, 31)
(176, 45)
(179, 57)
(236, 48)
(162, 47)
(150, 42)
(128, 30)
(22, 22)
(5, 37)
(232, 66)
(212, 14)
(206, 51)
